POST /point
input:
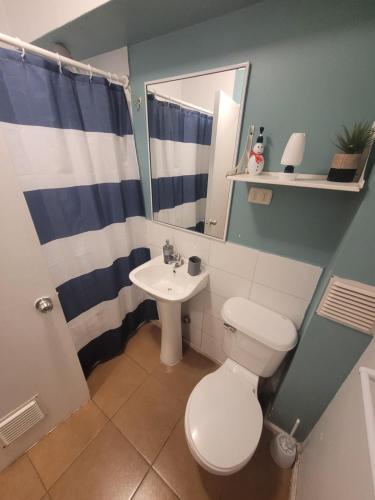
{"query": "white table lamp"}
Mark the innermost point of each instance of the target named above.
(293, 154)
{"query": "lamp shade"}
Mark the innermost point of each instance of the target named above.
(294, 150)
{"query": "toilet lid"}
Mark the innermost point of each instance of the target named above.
(224, 420)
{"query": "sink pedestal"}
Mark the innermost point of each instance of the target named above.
(171, 333)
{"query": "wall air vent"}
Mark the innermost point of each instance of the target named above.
(349, 303)
(19, 421)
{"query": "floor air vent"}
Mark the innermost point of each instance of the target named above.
(16, 423)
(349, 303)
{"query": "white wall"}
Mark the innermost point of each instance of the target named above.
(284, 285)
(115, 61)
(31, 19)
(4, 25)
(335, 462)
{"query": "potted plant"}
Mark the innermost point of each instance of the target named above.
(352, 143)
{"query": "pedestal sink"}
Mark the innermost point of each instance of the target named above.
(170, 286)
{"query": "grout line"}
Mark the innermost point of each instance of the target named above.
(128, 399)
(36, 471)
(165, 442)
(142, 481)
(161, 449)
(285, 293)
(164, 481)
(79, 454)
(83, 449)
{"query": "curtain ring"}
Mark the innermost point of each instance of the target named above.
(23, 54)
(90, 72)
(110, 78)
(59, 62)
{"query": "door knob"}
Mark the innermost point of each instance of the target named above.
(44, 304)
(212, 222)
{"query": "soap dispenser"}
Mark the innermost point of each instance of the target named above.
(168, 252)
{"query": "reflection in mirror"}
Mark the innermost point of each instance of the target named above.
(194, 125)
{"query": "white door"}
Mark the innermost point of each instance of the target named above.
(223, 144)
(37, 355)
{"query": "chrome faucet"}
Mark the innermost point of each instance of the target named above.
(177, 259)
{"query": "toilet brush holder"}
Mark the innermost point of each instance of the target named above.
(283, 450)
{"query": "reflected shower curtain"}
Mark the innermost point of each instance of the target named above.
(71, 142)
(180, 141)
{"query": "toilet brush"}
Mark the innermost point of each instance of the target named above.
(283, 447)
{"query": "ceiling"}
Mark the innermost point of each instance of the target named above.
(125, 22)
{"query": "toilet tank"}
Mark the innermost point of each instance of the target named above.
(256, 337)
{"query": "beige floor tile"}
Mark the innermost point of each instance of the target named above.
(181, 379)
(154, 488)
(144, 347)
(261, 479)
(148, 417)
(180, 471)
(21, 482)
(112, 383)
(109, 469)
(55, 452)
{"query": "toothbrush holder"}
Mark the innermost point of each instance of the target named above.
(194, 266)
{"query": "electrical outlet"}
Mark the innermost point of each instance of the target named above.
(260, 196)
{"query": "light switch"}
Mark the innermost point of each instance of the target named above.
(260, 196)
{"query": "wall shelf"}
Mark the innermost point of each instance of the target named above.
(302, 181)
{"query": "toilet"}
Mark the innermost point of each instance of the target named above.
(223, 417)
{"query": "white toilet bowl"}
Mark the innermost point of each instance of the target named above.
(223, 417)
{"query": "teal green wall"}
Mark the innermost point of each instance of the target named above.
(327, 351)
(312, 70)
(308, 74)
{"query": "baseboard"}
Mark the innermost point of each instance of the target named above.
(294, 480)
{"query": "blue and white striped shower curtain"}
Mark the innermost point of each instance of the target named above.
(180, 141)
(71, 142)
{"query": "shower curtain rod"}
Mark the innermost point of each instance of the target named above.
(60, 60)
(179, 101)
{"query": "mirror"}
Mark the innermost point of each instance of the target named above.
(194, 125)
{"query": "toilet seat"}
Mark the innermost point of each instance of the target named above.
(223, 421)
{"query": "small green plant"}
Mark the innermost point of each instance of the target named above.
(354, 141)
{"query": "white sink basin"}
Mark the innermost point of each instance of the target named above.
(170, 286)
(167, 283)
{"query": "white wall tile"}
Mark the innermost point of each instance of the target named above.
(292, 307)
(189, 244)
(155, 251)
(232, 258)
(213, 304)
(227, 285)
(282, 284)
(212, 347)
(157, 234)
(192, 331)
(213, 326)
(192, 335)
(197, 303)
(287, 275)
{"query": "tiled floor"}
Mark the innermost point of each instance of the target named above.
(129, 441)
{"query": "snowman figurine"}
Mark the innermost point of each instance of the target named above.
(255, 163)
